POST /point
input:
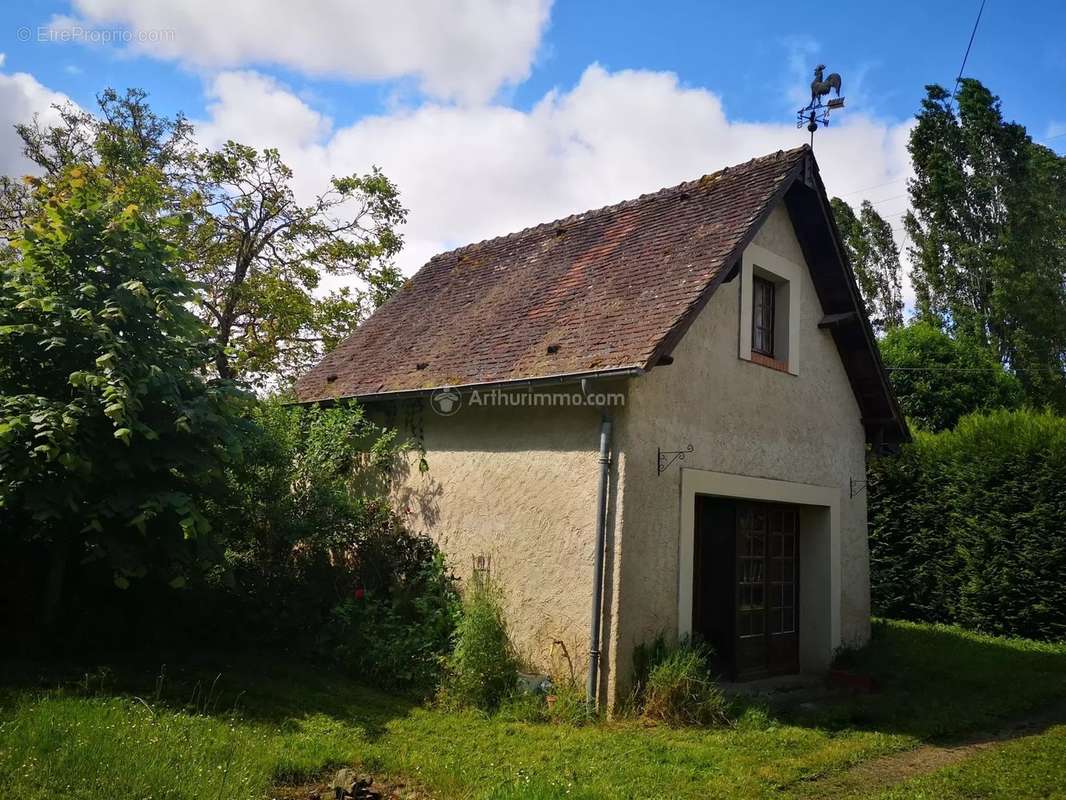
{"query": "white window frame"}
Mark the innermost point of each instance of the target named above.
(786, 276)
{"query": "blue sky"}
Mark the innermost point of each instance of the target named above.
(746, 52)
(493, 115)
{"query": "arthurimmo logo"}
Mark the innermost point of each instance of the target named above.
(446, 401)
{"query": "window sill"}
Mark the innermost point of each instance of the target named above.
(767, 361)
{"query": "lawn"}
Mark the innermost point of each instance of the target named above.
(1034, 766)
(190, 734)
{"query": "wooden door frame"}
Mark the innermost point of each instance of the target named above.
(820, 505)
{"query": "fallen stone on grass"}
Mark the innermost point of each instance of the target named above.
(348, 784)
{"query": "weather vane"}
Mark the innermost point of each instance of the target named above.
(816, 111)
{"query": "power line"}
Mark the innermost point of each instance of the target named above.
(1051, 370)
(868, 188)
(973, 33)
(888, 199)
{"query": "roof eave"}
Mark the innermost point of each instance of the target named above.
(617, 373)
(897, 413)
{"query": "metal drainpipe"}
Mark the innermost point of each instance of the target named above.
(591, 689)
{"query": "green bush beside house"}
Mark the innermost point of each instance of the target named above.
(968, 526)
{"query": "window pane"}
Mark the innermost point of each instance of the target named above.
(762, 318)
(774, 570)
(757, 622)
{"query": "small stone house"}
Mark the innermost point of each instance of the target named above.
(649, 418)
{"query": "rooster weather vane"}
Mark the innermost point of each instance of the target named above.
(816, 112)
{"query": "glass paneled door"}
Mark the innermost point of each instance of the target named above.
(767, 590)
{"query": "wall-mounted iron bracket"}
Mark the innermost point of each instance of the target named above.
(668, 457)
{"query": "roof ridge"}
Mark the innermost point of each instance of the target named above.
(602, 210)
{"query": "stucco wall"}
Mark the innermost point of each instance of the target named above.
(740, 418)
(518, 485)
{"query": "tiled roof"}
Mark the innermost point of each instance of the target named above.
(609, 289)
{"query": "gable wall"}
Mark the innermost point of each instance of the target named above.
(741, 418)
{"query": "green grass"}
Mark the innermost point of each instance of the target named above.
(939, 682)
(260, 725)
(1033, 767)
(97, 746)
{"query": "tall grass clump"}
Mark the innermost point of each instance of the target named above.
(674, 684)
(562, 704)
(482, 670)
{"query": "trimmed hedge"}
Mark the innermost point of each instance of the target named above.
(969, 526)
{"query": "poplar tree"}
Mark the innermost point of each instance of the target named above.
(988, 232)
(875, 260)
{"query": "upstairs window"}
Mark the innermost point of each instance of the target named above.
(762, 317)
(769, 309)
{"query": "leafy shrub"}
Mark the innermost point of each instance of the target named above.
(939, 379)
(307, 560)
(674, 684)
(303, 529)
(317, 562)
(482, 671)
(397, 636)
(112, 439)
(967, 526)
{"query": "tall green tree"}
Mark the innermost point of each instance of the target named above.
(939, 379)
(262, 256)
(989, 250)
(111, 434)
(281, 278)
(875, 259)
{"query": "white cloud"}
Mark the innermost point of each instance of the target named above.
(21, 97)
(255, 109)
(472, 173)
(460, 49)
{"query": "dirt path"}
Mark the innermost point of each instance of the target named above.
(881, 773)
